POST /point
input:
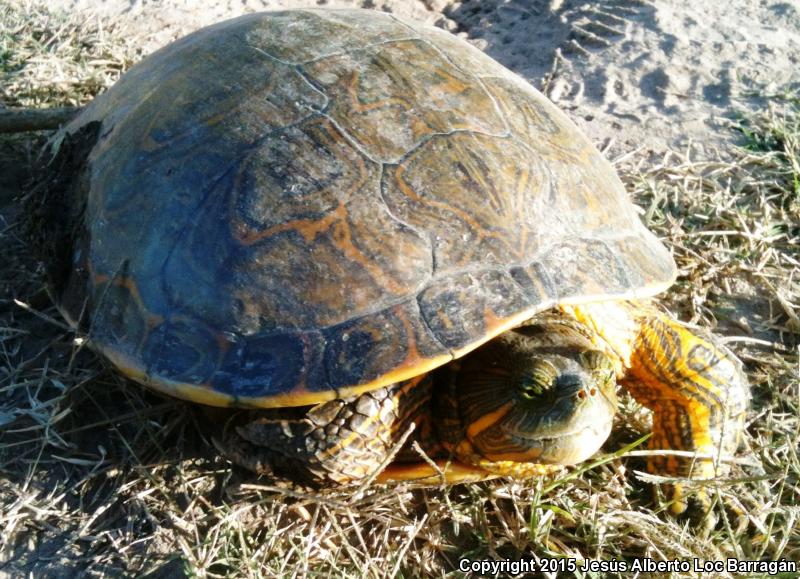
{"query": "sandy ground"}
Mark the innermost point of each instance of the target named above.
(633, 73)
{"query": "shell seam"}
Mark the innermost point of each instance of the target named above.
(496, 106)
(427, 325)
(421, 233)
(296, 68)
(357, 49)
(207, 193)
(418, 291)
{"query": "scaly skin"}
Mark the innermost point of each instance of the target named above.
(477, 417)
(693, 384)
(522, 405)
(334, 443)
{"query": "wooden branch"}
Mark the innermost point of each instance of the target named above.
(22, 120)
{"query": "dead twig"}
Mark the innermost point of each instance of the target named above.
(27, 120)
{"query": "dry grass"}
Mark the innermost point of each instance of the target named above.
(100, 477)
(50, 58)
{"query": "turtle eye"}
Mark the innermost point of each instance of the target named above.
(597, 361)
(539, 378)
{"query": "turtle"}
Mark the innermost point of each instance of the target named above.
(365, 232)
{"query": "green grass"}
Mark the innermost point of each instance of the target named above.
(100, 477)
(778, 134)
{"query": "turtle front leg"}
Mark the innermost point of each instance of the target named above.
(335, 443)
(693, 384)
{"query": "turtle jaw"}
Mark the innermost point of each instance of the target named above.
(550, 407)
(519, 409)
(538, 449)
(564, 432)
(575, 445)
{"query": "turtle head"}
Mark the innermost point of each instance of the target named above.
(526, 400)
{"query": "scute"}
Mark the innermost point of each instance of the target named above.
(463, 306)
(293, 206)
(395, 339)
(393, 96)
(303, 36)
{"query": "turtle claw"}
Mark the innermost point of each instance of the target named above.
(692, 505)
(700, 506)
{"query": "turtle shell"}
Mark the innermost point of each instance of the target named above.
(293, 206)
